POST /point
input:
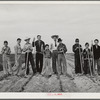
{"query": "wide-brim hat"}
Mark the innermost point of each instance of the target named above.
(54, 36)
(59, 39)
(27, 38)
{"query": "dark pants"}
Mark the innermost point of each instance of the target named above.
(54, 61)
(77, 65)
(39, 62)
(29, 57)
(86, 67)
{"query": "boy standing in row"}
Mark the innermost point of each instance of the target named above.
(18, 57)
(6, 51)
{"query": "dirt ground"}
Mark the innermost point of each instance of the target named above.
(38, 83)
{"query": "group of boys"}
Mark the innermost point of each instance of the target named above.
(57, 54)
(87, 61)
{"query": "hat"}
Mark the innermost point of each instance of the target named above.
(59, 39)
(54, 36)
(27, 38)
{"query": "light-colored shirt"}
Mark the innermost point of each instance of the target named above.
(6, 50)
(52, 46)
(28, 47)
(18, 49)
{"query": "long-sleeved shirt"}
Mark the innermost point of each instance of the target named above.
(76, 50)
(6, 50)
(53, 46)
(18, 49)
(28, 47)
(61, 48)
(40, 45)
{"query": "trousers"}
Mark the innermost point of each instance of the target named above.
(39, 62)
(47, 68)
(18, 63)
(7, 68)
(29, 58)
(62, 68)
(54, 61)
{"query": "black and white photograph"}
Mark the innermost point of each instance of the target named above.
(51, 48)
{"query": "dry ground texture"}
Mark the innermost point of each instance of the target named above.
(38, 83)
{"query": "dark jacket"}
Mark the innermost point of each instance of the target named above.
(86, 54)
(76, 51)
(62, 47)
(38, 47)
(96, 52)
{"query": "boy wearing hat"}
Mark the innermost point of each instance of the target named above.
(77, 49)
(18, 59)
(6, 51)
(61, 58)
(28, 56)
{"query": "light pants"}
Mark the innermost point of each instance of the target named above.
(62, 68)
(18, 64)
(7, 64)
(47, 69)
(97, 62)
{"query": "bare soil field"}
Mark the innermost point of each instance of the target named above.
(39, 83)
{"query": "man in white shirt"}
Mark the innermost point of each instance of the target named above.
(54, 53)
(18, 58)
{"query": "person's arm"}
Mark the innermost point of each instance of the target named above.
(2, 51)
(65, 48)
(50, 54)
(58, 49)
(33, 43)
(43, 45)
(8, 51)
(24, 48)
(73, 48)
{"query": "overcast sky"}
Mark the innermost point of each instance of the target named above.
(68, 21)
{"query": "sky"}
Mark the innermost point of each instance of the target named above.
(69, 21)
